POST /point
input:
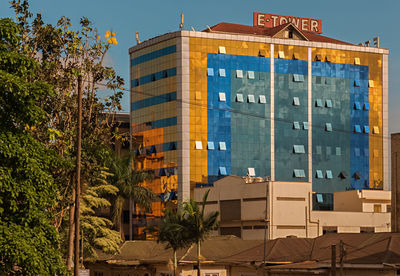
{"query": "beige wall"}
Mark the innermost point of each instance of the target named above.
(289, 209)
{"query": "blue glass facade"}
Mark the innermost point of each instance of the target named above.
(290, 114)
(238, 102)
(242, 120)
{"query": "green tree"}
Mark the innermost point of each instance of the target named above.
(96, 229)
(62, 54)
(173, 231)
(28, 242)
(128, 183)
(199, 226)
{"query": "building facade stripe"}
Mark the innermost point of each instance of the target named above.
(153, 55)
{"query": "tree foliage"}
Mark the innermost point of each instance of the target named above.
(97, 232)
(128, 183)
(53, 57)
(173, 231)
(28, 192)
(199, 226)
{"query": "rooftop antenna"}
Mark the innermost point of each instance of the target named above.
(376, 41)
(182, 19)
(208, 27)
(137, 38)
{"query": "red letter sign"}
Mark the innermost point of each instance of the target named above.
(267, 20)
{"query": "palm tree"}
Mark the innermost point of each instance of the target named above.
(173, 232)
(128, 183)
(198, 225)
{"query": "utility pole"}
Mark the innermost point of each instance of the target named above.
(333, 260)
(78, 177)
(341, 257)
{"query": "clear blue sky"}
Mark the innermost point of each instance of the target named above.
(348, 20)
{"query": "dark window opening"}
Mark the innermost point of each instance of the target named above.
(290, 34)
(236, 231)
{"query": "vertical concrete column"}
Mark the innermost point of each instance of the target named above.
(309, 113)
(183, 127)
(385, 123)
(395, 152)
(272, 105)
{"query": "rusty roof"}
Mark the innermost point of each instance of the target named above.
(360, 249)
(225, 27)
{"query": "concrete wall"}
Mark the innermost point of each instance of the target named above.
(289, 209)
(347, 201)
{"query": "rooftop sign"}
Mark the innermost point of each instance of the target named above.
(268, 20)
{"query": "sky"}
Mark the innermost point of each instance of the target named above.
(352, 21)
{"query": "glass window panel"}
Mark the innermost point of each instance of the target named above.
(320, 198)
(210, 145)
(318, 149)
(366, 106)
(319, 174)
(299, 149)
(357, 152)
(366, 152)
(222, 170)
(221, 72)
(296, 101)
(357, 129)
(239, 74)
(262, 99)
(298, 78)
(250, 75)
(357, 61)
(328, 81)
(318, 103)
(239, 98)
(221, 50)
(222, 146)
(198, 95)
(357, 83)
(328, 127)
(299, 173)
(318, 57)
(329, 174)
(371, 83)
(328, 103)
(222, 97)
(376, 130)
(251, 171)
(357, 105)
(210, 72)
(281, 54)
(250, 98)
(366, 129)
(199, 145)
(328, 58)
(296, 125)
(338, 151)
(305, 125)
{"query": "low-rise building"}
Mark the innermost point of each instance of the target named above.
(356, 254)
(254, 208)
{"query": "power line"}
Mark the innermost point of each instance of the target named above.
(235, 111)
